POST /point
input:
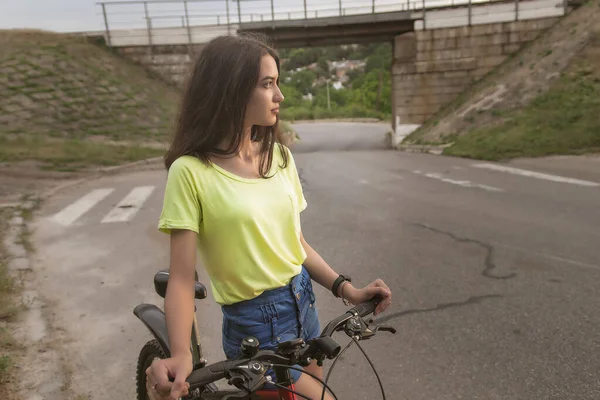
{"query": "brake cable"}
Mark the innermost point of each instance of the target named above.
(307, 373)
(333, 365)
(354, 340)
(290, 390)
(372, 366)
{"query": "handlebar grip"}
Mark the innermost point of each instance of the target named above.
(328, 346)
(366, 308)
(210, 373)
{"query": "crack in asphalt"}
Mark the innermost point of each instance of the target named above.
(489, 263)
(442, 306)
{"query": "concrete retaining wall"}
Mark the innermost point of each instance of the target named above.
(169, 36)
(171, 63)
(431, 67)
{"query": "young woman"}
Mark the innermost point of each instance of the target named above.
(233, 193)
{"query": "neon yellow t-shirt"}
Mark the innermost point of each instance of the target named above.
(248, 229)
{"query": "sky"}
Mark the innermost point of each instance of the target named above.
(86, 15)
(55, 15)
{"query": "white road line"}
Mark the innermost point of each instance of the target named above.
(459, 183)
(538, 175)
(130, 205)
(548, 256)
(69, 214)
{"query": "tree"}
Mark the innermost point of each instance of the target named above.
(302, 57)
(293, 97)
(303, 80)
(338, 98)
(371, 88)
(322, 63)
(381, 57)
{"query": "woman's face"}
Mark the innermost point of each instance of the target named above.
(263, 106)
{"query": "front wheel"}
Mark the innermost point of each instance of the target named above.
(149, 352)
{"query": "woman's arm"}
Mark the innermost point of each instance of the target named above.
(179, 300)
(324, 275)
(316, 266)
(179, 314)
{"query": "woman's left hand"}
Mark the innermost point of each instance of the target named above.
(375, 288)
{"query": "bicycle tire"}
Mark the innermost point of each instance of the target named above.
(151, 350)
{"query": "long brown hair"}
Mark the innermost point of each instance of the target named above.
(214, 102)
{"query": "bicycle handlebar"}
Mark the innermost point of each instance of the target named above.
(211, 373)
(322, 346)
(366, 308)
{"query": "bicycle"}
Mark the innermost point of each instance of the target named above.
(248, 373)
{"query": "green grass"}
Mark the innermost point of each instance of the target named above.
(90, 91)
(5, 364)
(289, 135)
(71, 155)
(564, 120)
(7, 306)
(7, 284)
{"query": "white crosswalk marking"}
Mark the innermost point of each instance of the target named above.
(69, 214)
(538, 175)
(130, 205)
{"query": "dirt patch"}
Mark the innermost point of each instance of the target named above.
(24, 177)
(10, 350)
(33, 364)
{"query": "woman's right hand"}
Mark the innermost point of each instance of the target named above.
(157, 378)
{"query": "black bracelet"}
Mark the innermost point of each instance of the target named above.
(337, 283)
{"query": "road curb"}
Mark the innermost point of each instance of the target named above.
(418, 148)
(333, 120)
(118, 168)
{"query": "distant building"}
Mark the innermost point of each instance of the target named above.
(342, 67)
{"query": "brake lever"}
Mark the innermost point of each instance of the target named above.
(250, 377)
(358, 328)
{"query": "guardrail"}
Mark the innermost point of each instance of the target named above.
(192, 21)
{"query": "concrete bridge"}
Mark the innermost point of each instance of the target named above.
(439, 47)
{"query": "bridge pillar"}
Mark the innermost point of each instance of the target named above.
(404, 57)
(431, 68)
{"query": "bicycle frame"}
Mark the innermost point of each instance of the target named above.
(279, 394)
(154, 319)
(259, 395)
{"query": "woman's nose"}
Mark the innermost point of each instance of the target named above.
(279, 96)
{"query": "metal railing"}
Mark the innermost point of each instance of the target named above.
(180, 12)
(140, 14)
(149, 16)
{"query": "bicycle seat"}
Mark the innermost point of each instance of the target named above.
(162, 278)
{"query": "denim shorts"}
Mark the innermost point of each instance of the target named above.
(273, 317)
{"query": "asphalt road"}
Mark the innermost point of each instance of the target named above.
(494, 273)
